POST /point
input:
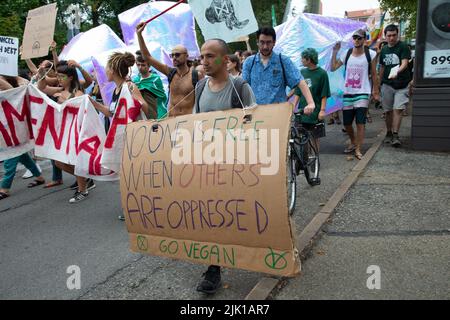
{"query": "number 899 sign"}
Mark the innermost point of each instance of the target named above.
(437, 64)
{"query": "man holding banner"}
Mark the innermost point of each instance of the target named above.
(216, 93)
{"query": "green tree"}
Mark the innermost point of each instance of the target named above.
(402, 10)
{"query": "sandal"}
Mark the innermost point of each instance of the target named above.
(36, 183)
(358, 155)
(350, 149)
(3, 195)
(53, 184)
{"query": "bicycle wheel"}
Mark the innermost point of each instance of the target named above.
(291, 180)
(311, 163)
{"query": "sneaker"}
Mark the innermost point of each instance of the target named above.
(211, 282)
(388, 138)
(27, 174)
(121, 218)
(74, 186)
(90, 184)
(315, 182)
(79, 196)
(396, 141)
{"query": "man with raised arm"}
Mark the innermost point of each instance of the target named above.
(182, 78)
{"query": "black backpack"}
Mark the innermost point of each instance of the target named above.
(368, 57)
(235, 102)
(173, 71)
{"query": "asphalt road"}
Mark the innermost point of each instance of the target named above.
(41, 235)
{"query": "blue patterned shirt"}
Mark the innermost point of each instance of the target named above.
(267, 82)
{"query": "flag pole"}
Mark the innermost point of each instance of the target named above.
(160, 14)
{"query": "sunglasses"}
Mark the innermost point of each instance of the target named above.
(357, 38)
(176, 55)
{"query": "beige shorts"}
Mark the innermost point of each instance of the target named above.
(392, 98)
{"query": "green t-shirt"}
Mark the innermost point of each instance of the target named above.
(319, 85)
(154, 86)
(391, 57)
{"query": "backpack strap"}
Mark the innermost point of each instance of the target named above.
(239, 85)
(284, 71)
(369, 58)
(251, 68)
(172, 73)
(194, 77)
(349, 53)
(198, 93)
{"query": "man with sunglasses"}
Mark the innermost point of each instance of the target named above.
(182, 78)
(360, 83)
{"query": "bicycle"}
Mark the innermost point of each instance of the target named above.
(302, 156)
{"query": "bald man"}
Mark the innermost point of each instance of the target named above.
(182, 78)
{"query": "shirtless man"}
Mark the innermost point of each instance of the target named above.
(182, 84)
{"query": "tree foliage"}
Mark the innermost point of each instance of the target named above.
(402, 10)
(13, 15)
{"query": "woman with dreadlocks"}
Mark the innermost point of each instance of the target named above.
(117, 71)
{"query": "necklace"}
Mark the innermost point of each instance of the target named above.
(181, 76)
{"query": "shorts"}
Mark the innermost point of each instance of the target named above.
(350, 114)
(355, 106)
(394, 99)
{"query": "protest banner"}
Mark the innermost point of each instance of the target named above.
(71, 132)
(16, 136)
(224, 19)
(320, 33)
(39, 30)
(9, 56)
(174, 27)
(225, 203)
(127, 110)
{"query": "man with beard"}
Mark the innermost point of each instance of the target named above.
(269, 73)
(182, 78)
(360, 82)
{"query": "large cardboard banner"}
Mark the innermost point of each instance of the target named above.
(211, 188)
(9, 56)
(39, 31)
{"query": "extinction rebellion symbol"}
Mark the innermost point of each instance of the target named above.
(142, 243)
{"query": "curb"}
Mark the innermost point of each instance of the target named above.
(305, 240)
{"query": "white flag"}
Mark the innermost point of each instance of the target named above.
(224, 19)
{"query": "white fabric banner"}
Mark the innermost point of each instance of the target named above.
(71, 132)
(224, 19)
(15, 124)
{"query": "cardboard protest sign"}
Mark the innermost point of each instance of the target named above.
(9, 54)
(15, 123)
(211, 188)
(224, 19)
(39, 31)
